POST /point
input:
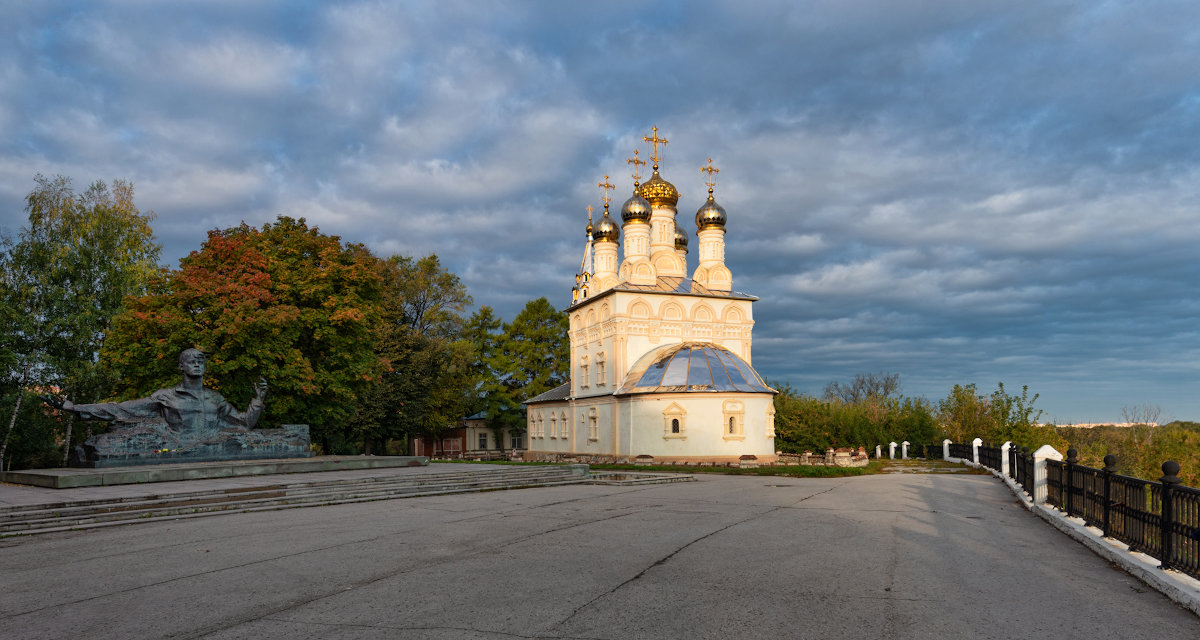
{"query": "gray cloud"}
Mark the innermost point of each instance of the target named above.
(958, 192)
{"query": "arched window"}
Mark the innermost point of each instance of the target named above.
(600, 378)
(674, 422)
(554, 426)
(734, 411)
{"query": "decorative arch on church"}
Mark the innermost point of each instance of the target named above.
(605, 311)
(639, 309)
(670, 310)
(590, 318)
(732, 314)
(643, 270)
(702, 312)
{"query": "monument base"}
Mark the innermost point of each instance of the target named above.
(154, 444)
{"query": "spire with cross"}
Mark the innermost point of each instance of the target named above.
(655, 140)
(607, 186)
(637, 163)
(711, 171)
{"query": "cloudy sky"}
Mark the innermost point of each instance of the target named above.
(953, 191)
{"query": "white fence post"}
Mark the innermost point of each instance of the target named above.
(892, 451)
(904, 450)
(946, 449)
(1039, 471)
(1004, 449)
(878, 452)
(975, 444)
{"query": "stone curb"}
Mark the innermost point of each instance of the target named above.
(1181, 588)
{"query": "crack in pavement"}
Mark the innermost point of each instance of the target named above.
(455, 557)
(664, 559)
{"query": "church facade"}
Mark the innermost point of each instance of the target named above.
(660, 357)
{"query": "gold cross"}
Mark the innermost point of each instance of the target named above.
(637, 163)
(607, 186)
(710, 170)
(655, 141)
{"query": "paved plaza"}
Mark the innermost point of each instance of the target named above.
(884, 556)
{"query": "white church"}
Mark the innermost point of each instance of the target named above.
(660, 361)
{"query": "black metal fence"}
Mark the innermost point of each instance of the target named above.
(1160, 519)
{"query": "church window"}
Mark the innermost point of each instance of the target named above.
(771, 420)
(541, 429)
(733, 411)
(600, 378)
(583, 372)
(593, 425)
(563, 425)
(674, 422)
(553, 426)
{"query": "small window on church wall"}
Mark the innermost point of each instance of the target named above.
(674, 422)
(583, 372)
(733, 420)
(563, 425)
(553, 427)
(600, 378)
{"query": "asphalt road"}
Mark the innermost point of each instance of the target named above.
(889, 556)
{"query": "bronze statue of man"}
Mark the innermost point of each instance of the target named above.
(188, 409)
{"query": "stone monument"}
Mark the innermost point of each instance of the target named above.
(185, 423)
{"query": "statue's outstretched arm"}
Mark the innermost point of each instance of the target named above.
(128, 411)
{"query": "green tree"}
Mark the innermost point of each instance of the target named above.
(65, 278)
(428, 384)
(964, 414)
(531, 356)
(286, 302)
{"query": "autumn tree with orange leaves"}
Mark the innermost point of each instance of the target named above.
(286, 302)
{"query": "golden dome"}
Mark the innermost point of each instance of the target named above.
(658, 191)
(636, 209)
(606, 230)
(681, 239)
(710, 215)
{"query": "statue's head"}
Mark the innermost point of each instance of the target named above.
(191, 362)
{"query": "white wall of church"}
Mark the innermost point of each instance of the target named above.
(708, 426)
(610, 333)
(704, 427)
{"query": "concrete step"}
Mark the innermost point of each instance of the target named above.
(93, 513)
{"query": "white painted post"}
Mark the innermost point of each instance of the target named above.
(878, 452)
(1039, 471)
(892, 451)
(1004, 449)
(975, 444)
(904, 450)
(946, 449)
